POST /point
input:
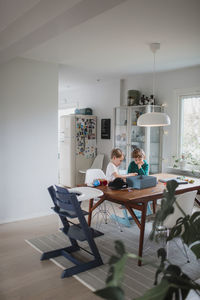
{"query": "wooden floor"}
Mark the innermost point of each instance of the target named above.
(23, 276)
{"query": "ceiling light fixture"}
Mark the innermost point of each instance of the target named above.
(153, 119)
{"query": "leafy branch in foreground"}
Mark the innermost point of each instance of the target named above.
(186, 227)
(174, 284)
(117, 263)
(166, 206)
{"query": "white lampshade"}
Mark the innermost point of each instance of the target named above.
(153, 119)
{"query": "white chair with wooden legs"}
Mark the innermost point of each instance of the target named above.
(90, 176)
(186, 202)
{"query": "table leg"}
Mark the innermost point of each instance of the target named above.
(90, 211)
(142, 230)
(154, 206)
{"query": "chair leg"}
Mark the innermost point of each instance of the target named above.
(105, 212)
(102, 209)
(97, 214)
(98, 222)
(184, 251)
(117, 221)
(126, 219)
(81, 268)
(128, 224)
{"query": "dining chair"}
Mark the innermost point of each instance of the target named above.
(97, 163)
(102, 209)
(67, 206)
(186, 202)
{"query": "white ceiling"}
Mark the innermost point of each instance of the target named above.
(104, 37)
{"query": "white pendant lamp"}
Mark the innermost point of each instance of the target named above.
(153, 119)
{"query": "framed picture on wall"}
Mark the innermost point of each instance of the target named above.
(105, 129)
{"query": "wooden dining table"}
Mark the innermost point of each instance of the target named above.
(138, 199)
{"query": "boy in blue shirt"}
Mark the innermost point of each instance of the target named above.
(138, 165)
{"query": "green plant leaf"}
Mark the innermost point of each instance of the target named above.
(166, 206)
(114, 259)
(175, 231)
(162, 253)
(117, 264)
(184, 292)
(171, 187)
(195, 215)
(117, 272)
(196, 250)
(156, 293)
(174, 284)
(111, 293)
(119, 247)
(173, 270)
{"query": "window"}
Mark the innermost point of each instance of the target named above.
(190, 130)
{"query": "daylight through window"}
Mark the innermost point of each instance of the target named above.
(190, 130)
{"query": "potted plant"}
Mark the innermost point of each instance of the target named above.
(175, 161)
(194, 163)
(182, 162)
(173, 284)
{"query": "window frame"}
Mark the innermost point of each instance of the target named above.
(180, 94)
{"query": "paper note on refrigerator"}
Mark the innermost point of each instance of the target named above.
(90, 148)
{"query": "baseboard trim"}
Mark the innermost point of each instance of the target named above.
(11, 220)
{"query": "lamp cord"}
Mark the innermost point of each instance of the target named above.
(154, 75)
(154, 71)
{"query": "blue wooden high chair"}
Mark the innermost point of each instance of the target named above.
(67, 206)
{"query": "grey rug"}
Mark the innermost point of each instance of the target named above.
(136, 279)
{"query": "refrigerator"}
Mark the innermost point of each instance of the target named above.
(77, 147)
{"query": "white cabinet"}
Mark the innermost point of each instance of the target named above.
(127, 135)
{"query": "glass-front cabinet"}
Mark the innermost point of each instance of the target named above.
(127, 136)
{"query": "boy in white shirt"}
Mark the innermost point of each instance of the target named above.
(112, 171)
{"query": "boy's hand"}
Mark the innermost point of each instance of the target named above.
(133, 174)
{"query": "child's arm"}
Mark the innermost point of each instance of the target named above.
(143, 169)
(131, 170)
(116, 175)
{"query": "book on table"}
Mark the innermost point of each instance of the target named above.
(178, 180)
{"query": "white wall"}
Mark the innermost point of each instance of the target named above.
(29, 97)
(167, 83)
(102, 97)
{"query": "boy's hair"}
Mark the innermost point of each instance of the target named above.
(137, 152)
(117, 153)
